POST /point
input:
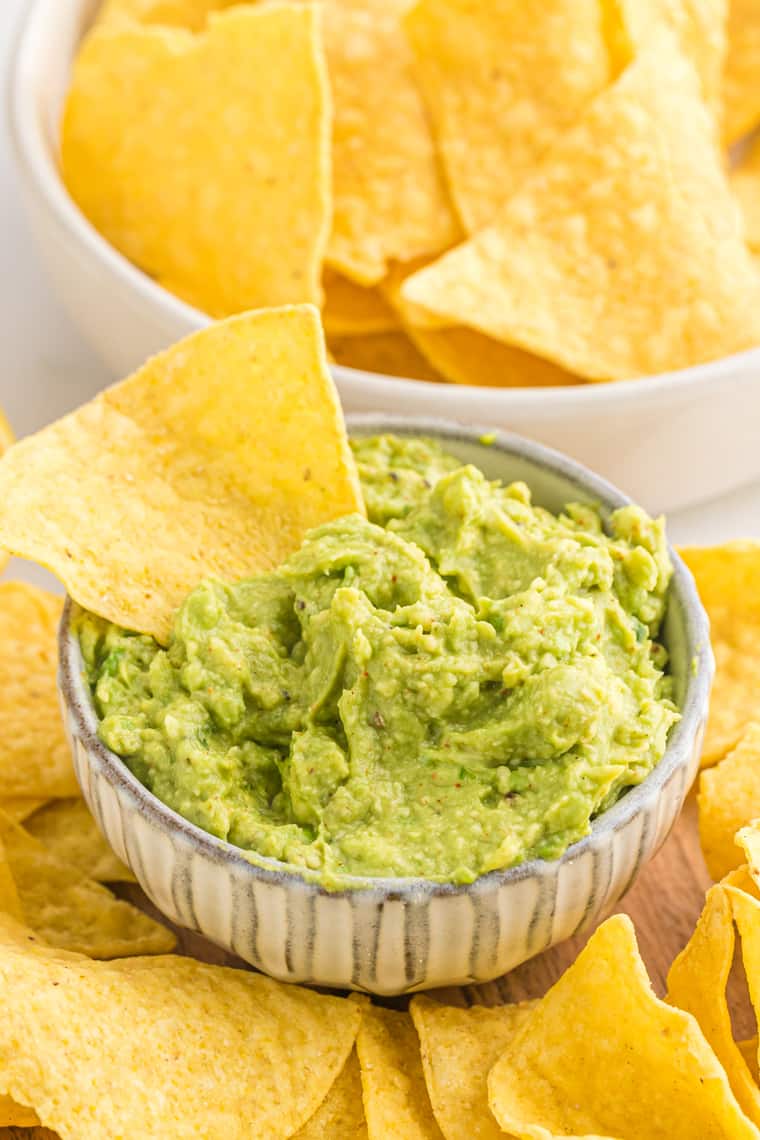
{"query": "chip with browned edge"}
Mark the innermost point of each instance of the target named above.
(727, 578)
(395, 1098)
(203, 158)
(602, 1056)
(458, 1047)
(214, 459)
(163, 1047)
(502, 80)
(624, 255)
(35, 761)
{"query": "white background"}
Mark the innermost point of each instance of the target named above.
(46, 368)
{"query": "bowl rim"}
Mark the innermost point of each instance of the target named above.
(36, 163)
(78, 702)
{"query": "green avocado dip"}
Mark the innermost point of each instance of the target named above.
(458, 684)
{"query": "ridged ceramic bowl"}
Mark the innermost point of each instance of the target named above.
(668, 440)
(401, 935)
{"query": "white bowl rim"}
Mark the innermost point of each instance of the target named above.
(36, 162)
(698, 683)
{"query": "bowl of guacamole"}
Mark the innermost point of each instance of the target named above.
(498, 675)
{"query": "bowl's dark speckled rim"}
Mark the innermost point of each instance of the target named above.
(590, 486)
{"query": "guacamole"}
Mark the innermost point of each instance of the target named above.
(459, 682)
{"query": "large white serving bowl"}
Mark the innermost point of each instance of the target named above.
(668, 440)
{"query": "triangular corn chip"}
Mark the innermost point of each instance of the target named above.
(163, 1047)
(729, 798)
(629, 227)
(502, 80)
(602, 1056)
(697, 984)
(214, 459)
(390, 200)
(341, 1114)
(741, 91)
(395, 1098)
(205, 158)
(727, 578)
(390, 353)
(351, 310)
(35, 760)
(68, 831)
(745, 183)
(458, 1048)
(72, 912)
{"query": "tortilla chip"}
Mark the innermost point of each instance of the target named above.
(16, 1115)
(68, 831)
(741, 89)
(202, 158)
(351, 310)
(341, 1115)
(19, 808)
(601, 1055)
(72, 912)
(700, 28)
(35, 760)
(395, 1098)
(235, 1054)
(502, 81)
(10, 903)
(390, 354)
(390, 200)
(632, 206)
(727, 578)
(745, 183)
(749, 1051)
(458, 1048)
(214, 459)
(190, 14)
(697, 984)
(729, 798)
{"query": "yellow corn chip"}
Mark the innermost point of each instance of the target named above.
(697, 984)
(35, 760)
(163, 1047)
(749, 1050)
(72, 912)
(390, 200)
(351, 310)
(749, 840)
(601, 1055)
(10, 903)
(741, 91)
(502, 81)
(700, 27)
(729, 798)
(392, 354)
(395, 1098)
(458, 1048)
(19, 808)
(624, 256)
(190, 14)
(727, 578)
(68, 831)
(341, 1115)
(214, 459)
(15, 1116)
(205, 159)
(745, 183)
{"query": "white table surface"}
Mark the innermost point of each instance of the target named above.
(46, 368)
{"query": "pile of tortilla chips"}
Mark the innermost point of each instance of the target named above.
(504, 194)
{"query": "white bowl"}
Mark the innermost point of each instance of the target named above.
(399, 935)
(669, 440)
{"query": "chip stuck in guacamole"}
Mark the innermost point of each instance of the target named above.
(457, 683)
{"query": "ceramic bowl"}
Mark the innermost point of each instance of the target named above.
(401, 935)
(669, 440)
